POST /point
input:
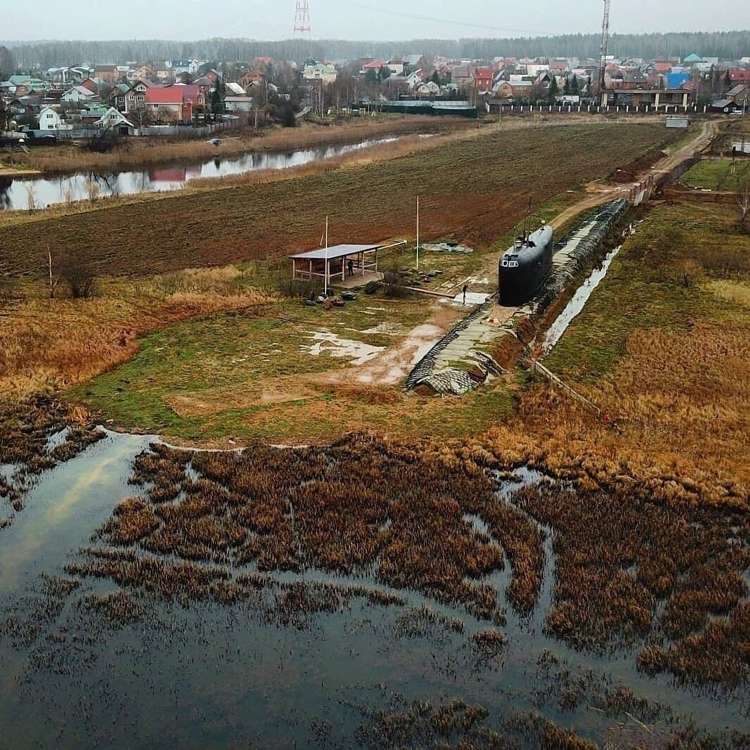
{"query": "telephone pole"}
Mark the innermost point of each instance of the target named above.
(604, 48)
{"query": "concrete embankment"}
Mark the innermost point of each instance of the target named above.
(491, 338)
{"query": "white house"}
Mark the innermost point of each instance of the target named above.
(112, 119)
(320, 72)
(396, 67)
(77, 95)
(236, 104)
(51, 119)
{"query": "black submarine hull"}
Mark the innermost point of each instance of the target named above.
(525, 267)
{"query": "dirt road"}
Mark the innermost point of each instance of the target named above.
(601, 193)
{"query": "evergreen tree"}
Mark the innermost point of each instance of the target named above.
(553, 90)
(435, 77)
(217, 98)
(574, 87)
(566, 87)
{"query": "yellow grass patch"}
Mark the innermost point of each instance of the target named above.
(737, 292)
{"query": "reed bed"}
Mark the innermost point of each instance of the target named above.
(334, 509)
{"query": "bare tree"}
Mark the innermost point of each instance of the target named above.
(53, 280)
(92, 190)
(743, 197)
(31, 202)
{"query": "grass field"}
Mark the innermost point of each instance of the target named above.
(473, 190)
(663, 345)
(717, 174)
(284, 371)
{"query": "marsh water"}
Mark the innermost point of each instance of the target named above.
(207, 674)
(46, 191)
(577, 302)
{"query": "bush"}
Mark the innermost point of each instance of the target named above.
(80, 277)
(102, 142)
(299, 288)
(394, 283)
(371, 287)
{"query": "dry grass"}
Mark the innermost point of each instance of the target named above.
(666, 360)
(47, 345)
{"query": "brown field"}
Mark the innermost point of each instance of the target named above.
(473, 189)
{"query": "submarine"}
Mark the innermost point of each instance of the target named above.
(525, 267)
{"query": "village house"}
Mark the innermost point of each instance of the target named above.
(319, 72)
(249, 78)
(517, 91)
(51, 119)
(143, 72)
(78, 95)
(107, 73)
(174, 104)
(116, 97)
(462, 75)
(114, 121)
(238, 104)
(396, 66)
(483, 79)
(135, 98)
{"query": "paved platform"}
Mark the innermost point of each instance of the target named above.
(358, 280)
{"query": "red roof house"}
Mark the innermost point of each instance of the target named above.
(175, 103)
(483, 78)
(740, 75)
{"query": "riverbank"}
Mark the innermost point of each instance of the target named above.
(136, 152)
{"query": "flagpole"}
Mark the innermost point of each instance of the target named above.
(325, 268)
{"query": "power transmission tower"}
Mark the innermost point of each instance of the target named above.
(302, 19)
(604, 47)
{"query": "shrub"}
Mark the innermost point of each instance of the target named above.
(80, 277)
(394, 283)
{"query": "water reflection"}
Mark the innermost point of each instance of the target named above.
(14, 194)
(5, 185)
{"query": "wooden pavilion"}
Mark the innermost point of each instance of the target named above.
(342, 265)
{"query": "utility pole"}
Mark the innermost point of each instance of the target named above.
(325, 266)
(604, 49)
(417, 233)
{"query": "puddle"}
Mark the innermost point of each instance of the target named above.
(577, 303)
(330, 343)
(472, 298)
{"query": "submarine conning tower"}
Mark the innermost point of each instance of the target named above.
(525, 267)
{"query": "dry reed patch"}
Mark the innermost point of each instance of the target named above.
(421, 724)
(149, 151)
(617, 556)
(360, 507)
(736, 292)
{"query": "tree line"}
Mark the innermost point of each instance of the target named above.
(726, 45)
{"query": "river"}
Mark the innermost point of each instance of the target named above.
(20, 193)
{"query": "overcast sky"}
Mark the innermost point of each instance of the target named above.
(361, 19)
